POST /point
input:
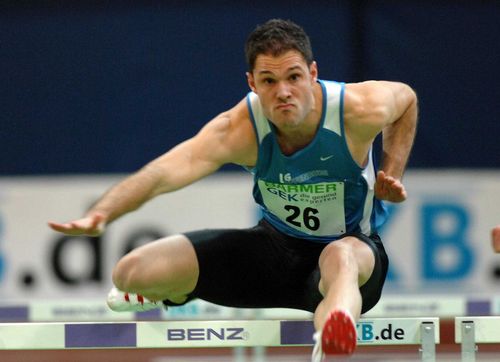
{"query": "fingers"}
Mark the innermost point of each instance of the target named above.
(495, 238)
(381, 178)
(71, 228)
(389, 188)
(59, 227)
(91, 225)
(98, 221)
(386, 181)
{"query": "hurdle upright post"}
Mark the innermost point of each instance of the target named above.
(428, 348)
(473, 331)
(468, 346)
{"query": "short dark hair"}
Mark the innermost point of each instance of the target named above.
(276, 37)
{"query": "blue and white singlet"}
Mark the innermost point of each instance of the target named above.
(319, 192)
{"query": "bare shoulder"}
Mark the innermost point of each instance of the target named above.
(236, 119)
(231, 136)
(376, 101)
(374, 92)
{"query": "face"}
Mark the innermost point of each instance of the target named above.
(285, 87)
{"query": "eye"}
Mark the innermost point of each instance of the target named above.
(268, 80)
(295, 77)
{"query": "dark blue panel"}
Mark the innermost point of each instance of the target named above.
(296, 332)
(100, 335)
(107, 87)
(450, 53)
(14, 314)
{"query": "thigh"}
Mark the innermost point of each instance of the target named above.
(372, 289)
(349, 256)
(163, 269)
(248, 268)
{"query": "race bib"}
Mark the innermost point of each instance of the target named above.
(315, 209)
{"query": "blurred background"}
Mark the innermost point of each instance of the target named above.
(92, 90)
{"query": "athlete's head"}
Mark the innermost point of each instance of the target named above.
(276, 37)
(282, 72)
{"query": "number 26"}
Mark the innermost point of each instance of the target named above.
(310, 221)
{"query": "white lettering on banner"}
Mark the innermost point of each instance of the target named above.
(366, 333)
(206, 334)
(392, 331)
(437, 240)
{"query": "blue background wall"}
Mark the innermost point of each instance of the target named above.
(91, 87)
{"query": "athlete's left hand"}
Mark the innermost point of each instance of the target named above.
(389, 188)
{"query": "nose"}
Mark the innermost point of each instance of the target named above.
(283, 91)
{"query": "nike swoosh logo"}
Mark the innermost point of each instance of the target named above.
(325, 158)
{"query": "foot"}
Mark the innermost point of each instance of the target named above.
(119, 301)
(337, 337)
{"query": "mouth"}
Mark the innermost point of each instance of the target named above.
(285, 106)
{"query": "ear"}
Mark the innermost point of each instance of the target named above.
(251, 82)
(313, 71)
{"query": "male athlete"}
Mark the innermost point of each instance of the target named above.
(308, 144)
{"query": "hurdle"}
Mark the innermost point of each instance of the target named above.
(223, 333)
(469, 331)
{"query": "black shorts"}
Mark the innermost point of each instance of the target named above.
(261, 267)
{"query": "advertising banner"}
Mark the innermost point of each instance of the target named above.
(438, 241)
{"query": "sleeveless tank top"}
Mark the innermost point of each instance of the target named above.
(319, 192)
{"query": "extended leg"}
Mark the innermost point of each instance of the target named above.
(345, 265)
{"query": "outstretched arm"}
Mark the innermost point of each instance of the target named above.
(228, 138)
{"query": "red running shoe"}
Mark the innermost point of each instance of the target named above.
(339, 333)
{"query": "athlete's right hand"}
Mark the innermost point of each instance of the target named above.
(389, 188)
(91, 225)
(495, 238)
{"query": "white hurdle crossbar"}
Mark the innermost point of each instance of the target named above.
(472, 330)
(225, 333)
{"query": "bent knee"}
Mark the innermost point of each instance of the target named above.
(126, 274)
(167, 267)
(339, 255)
(348, 256)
